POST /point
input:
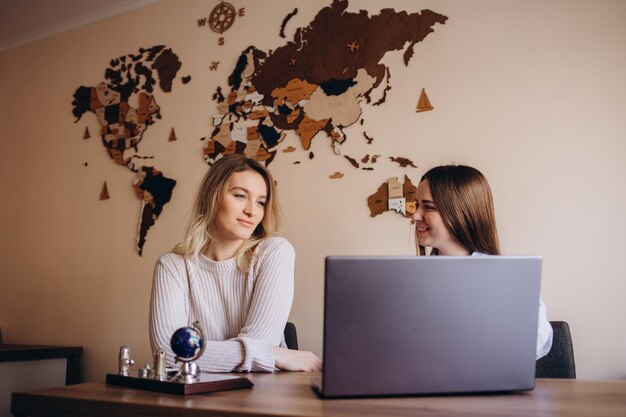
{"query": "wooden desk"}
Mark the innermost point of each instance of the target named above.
(290, 394)
(12, 353)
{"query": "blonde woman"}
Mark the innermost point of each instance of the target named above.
(455, 216)
(233, 274)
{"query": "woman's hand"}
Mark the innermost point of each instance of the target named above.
(296, 360)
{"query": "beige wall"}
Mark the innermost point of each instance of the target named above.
(532, 93)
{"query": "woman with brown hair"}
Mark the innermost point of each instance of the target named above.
(233, 274)
(455, 216)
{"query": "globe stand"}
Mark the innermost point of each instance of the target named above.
(187, 374)
(188, 345)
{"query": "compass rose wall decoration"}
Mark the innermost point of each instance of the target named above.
(221, 18)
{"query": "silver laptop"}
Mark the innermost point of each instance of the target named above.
(429, 325)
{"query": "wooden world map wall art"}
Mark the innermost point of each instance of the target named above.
(132, 79)
(313, 86)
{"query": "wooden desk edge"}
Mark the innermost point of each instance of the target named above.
(557, 393)
(14, 352)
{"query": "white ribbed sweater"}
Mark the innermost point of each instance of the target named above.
(242, 315)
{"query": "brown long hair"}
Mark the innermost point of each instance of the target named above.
(463, 198)
(201, 226)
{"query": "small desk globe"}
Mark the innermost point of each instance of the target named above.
(186, 343)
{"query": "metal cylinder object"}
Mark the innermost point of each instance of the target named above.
(124, 362)
(145, 372)
(159, 365)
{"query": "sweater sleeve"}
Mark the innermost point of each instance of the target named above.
(169, 303)
(271, 302)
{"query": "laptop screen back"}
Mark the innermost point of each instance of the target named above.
(426, 325)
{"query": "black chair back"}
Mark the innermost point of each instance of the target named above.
(291, 336)
(559, 362)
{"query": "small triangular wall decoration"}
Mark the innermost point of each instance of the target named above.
(423, 104)
(104, 193)
(173, 136)
(86, 135)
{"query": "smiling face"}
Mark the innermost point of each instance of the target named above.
(242, 207)
(430, 229)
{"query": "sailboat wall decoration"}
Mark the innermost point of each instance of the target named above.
(423, 104)
(172, 136)
(104, 193)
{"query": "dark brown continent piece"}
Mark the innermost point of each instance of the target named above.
(347, 28)
(409, 191)
(167, 65)
(285, 21)
(352, 161)
(378, 202)
(403, 162)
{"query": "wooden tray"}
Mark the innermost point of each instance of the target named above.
(206, 383)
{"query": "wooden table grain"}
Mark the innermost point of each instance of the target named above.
(290, 394)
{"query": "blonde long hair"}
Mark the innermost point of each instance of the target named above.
(201, 227)
(463, 198)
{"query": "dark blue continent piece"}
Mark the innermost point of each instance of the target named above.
(82, 101)
(269, 135)
(335, 87)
